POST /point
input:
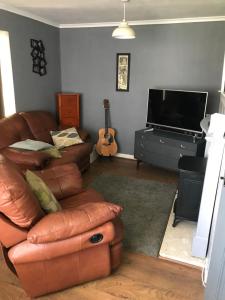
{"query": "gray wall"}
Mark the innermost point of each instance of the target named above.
(32, 91)
(179, 56)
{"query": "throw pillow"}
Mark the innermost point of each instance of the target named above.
(65, 138)
(53, 152)
(45, 197)
(30, 145)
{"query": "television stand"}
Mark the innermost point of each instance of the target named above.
(149, 129)
(164, 148)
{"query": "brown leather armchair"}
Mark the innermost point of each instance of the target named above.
(52, 252)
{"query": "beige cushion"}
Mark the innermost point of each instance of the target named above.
(46, 199)
(31, 145)
(53, 152)
(65, 138)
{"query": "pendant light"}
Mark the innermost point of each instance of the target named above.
(124, 31)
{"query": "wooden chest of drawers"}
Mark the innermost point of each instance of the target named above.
(68, 106)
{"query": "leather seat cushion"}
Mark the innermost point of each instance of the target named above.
(73, 153)
(89, 195)
(64, 181)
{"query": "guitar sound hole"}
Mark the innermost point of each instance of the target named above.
(108, 137)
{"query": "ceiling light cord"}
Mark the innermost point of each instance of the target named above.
(124, 11)
(123, 31)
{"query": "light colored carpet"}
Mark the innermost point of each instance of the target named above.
(147, 205)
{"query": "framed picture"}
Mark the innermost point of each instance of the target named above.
(122, 72)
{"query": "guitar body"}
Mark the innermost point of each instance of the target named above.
(106, 145)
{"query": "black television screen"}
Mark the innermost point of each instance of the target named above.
(175, 109)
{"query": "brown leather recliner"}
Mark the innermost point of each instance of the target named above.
(51, 252)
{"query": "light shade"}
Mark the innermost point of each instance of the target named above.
(123, 31)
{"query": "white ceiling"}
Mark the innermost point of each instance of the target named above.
(98, 11)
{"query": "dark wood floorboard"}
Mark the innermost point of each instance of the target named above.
(127, 167)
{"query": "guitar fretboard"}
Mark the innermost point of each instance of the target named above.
(106, 120)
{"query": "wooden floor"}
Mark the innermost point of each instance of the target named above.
(126, 167)
(139, 276)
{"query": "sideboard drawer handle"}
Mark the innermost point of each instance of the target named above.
(182, 146)
(161, 141)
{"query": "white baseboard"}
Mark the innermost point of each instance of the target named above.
(94, 156)
(127, 156)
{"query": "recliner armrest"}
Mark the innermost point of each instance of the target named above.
(31, 159)
(11, 234)
(67, 223)
(63, 180)
(84, 135)
(26, 252)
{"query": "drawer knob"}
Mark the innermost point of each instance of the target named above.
(181, 155)
(182, 146)
(162, 141)
(142, 145)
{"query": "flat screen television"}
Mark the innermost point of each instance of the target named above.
(176, 109)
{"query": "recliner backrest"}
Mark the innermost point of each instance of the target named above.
(17, 202)
(13, 129)
(40, 124)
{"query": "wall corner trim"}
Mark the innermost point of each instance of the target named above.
(147, 22)
(29, 15)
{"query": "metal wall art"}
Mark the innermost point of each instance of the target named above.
(38, 56)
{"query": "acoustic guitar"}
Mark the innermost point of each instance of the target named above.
(106, 145)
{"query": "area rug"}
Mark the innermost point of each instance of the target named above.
(147, 205)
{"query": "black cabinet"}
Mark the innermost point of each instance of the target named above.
(164, 148)
(191, 178)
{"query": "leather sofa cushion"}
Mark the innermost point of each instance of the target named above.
(70, 222)
(73, 153)
(13, 129)
(40, 124)
(17, 201)
(27, 159)
(86, 196)
(83, 134)
(64, 181)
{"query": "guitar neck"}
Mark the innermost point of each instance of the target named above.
(106, 120)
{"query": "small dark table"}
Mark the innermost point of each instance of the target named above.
(191, 178)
